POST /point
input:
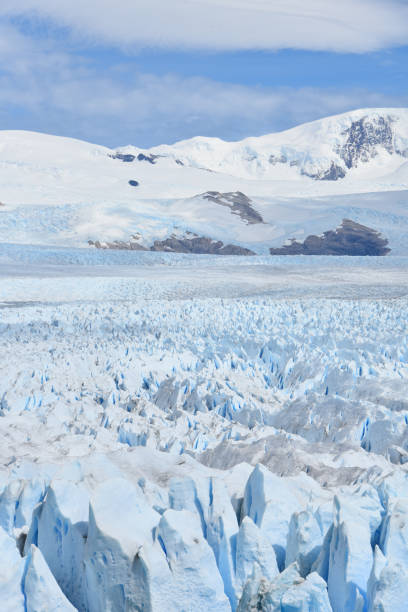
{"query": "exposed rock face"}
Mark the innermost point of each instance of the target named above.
(149, 158)
(237, 202)
(331, 174)
(118, 245)
(124, 157)
(191, 243)
(199, 245)
(129, 158)
(402, 152)
(350, 238)
(363, 138)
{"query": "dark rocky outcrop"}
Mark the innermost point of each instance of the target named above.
(363, 138)
(402, 152)
(331, 174)
(118, 245)
(128, 158)
(149, 158)
(123, 157)
(237, 202)
(200, 245)
(350, 238)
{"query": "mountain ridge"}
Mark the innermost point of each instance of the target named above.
(328, 157)
(254, 194)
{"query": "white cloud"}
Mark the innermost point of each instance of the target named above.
(349, 25)
(46, 89)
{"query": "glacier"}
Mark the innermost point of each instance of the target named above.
(189, 433)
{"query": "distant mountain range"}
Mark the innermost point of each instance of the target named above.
(327, 150)
(205, 195)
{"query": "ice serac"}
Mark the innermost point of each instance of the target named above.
(27, 584)
(33, 491)
(253, 553)
(120, 523)
(17, 502)
(379, 563)
(388, 585)
(11, 574)
(394, 532)
(42, 593)
(59, 529)
(208, 499)
(355, 528)
(195, 582)
(305, 540)
(270, 501)
(288, 592)
(222, 530)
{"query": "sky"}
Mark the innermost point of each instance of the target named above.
(150, 72)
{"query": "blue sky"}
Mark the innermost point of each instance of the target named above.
(226, 68)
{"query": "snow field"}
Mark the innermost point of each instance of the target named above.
(61, 191)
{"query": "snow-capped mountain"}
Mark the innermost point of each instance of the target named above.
(247, 197)
(327, 149)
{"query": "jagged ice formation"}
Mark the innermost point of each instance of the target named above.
(205, 453)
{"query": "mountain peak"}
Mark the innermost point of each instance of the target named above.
(325, 149)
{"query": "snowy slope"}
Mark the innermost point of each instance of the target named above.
(377, 137)
(67, 192)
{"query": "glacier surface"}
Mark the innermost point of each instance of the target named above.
(194, 434)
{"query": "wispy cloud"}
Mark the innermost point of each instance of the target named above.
(45, 88)
(350, 25)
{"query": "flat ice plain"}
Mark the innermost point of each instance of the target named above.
(202, 433)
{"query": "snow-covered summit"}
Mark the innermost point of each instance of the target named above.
(325, 149)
